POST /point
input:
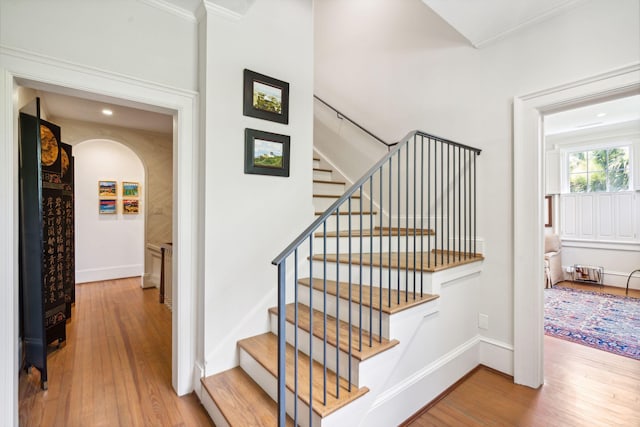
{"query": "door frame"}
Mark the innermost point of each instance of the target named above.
(20, 68)
(528, 195)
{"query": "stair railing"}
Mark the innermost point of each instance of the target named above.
(425, 188)
(343, 116)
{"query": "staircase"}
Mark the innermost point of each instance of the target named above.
(354, 296)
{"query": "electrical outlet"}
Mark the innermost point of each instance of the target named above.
(483, 321)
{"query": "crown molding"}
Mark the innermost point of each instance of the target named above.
(7, 53)
(229, 9)
(171, 8)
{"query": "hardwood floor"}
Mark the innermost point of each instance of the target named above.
(115, 368)
(583, 387)
(634, 293)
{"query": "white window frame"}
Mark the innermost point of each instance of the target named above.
(615, 142)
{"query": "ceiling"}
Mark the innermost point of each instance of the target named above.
(484, 21)
(74, 108)
(608, 113)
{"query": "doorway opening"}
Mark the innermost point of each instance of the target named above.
(528, 197)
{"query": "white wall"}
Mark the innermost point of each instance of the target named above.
(156, 152)
(107, 246)
(126, 36)
(249, 219)
(396, 66)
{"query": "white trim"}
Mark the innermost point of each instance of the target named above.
(496, 354)
(18, 57)
(109, 273)
(216, 9)
(601, 244)
(420, 375)
(33, 69)
(8, 252)
(528, 192)
(528, 23)
(171, 8)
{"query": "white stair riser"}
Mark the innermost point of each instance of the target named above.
(371, 276)
(269, 384)
(343, 224)
(321, 204)
(327, 188)
(318, 351)
(341, 308)
(406, 244)
(212, 409)
(322, 175)
(316, 163)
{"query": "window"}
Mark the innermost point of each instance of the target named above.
(599, 170)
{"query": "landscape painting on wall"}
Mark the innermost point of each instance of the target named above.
(107, 206)
(266, 153)
(130, 206)
(130, 189)
(265, 97)
(107, 188)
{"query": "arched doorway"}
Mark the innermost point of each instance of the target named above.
(108, 245)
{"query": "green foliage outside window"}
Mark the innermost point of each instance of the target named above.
(599, 170)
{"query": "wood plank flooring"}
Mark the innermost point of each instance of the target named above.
(115, 368)
(583, 387)
(614, 290)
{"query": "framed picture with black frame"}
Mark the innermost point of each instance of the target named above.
(265, 97)
(266, 153)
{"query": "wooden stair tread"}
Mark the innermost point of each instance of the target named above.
(399, 300)
(264, 349)
(240, 400)
(321, 181)
(322, 170)
(380, 232)
(433, 261)
(318, 331)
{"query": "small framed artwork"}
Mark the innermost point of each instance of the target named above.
(130, 189)
(130, 206)
(266, 153)
(548, 211)
(107, 206)
(107, 189)
(265, 97)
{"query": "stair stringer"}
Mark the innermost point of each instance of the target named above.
(427, 345)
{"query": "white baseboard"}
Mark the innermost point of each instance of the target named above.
(496, 354)
(109, 273)
(198, 374)
(402, 400)
(150, 281)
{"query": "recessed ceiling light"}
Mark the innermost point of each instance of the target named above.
(107, 112)
(601, 114)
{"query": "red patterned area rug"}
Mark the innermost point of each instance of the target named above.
(606, 322)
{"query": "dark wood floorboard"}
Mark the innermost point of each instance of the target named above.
(115, 368)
